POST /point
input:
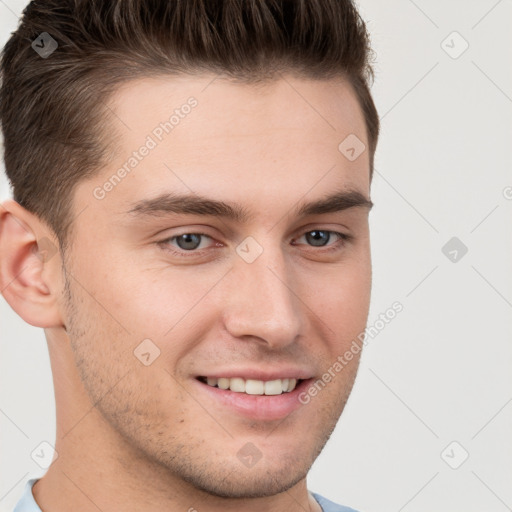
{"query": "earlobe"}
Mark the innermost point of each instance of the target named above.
(29, 266)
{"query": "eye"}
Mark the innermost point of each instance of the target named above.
(186, 242)
(180, 245)
(320, 238)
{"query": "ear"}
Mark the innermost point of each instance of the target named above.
(30, 272)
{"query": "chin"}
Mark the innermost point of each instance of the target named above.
(247, 483)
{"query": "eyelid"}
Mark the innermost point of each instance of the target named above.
(166, 241)
(335, 247)
(343, 236)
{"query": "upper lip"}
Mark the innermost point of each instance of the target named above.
(287, 372)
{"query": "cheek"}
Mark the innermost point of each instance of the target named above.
(343, 307)
(354, 296)
(355, 283)
(343, 295)
(152, 300)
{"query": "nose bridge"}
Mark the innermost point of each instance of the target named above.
(261, 301)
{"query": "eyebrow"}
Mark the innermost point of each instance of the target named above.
(169, 203)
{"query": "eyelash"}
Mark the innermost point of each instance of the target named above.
(164, 244)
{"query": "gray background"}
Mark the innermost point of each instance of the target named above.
(441, 370)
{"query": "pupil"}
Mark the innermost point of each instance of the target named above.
(191, 241)
(314, 237)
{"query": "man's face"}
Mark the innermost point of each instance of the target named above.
(272, 295)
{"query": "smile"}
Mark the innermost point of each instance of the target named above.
(251, 386)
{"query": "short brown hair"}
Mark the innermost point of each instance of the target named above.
(53, 110)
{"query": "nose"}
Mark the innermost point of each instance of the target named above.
(261, 300)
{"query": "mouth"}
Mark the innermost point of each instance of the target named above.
(252, 386)
(254, 399)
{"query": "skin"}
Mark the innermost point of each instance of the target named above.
(133, 437)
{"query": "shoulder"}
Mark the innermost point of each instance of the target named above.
(27, 503)
(330, 506)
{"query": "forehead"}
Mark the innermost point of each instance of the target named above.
(205, 134)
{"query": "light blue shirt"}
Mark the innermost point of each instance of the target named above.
(27, 503)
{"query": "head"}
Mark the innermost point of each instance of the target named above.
(180, 158)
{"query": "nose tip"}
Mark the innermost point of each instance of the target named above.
(262, 303)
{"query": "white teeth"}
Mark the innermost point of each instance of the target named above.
(254, 387)
(273, 387)
(237, 385)
(223, 383)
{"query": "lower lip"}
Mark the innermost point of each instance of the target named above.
(259, 407)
